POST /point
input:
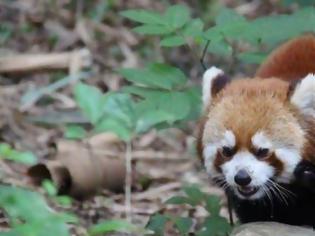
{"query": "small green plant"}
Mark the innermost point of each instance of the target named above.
(159, 96)
(212, 225)
(27, 211)
(30, 215)
(176, 28)
(9, 153)
(110, 226)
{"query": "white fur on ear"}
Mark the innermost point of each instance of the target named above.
(208, 78)
(304, 95)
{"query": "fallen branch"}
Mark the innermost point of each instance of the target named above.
(73, 61)
(148, 155)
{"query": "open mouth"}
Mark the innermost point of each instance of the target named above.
(247, 191)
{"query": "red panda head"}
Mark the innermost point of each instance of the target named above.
(251, 135)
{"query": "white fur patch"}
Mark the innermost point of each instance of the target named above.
(304, 95)
(259, 171)
(260, 140)
(290, 158)
(210, 151)
(208, 78)
(229, 139)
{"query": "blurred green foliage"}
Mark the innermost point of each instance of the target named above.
(30, 215)
(213, 224)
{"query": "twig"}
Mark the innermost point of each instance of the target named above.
(157, 192)
(203, 55)
(73, 61)
(146, 155)
(128, 182)
(32, 96)
(135, 210)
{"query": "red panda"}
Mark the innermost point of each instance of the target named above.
(257, 136)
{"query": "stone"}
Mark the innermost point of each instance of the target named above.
(271, 229)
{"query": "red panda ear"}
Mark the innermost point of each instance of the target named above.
(303, 95)
(214, 80)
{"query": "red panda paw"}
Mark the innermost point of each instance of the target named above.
(305, 174)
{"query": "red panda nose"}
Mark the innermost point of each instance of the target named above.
(242, 178)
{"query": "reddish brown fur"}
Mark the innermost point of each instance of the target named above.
(293, 60)
(276, 163)
(265, 103)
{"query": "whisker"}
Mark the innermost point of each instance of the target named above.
(282, 190)
(277, 192)
(285, 189)
(269, 195)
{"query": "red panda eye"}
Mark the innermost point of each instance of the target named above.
(262, 152)
(227, 151)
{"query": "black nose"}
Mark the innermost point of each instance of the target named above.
(242, 178)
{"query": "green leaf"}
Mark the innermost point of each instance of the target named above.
(175, 103)
(30, 219)
(291, 25)
(221, 48)
(120, 106)
(220, 32)
(74, 132)
(215, 226)
(118, 115)
(143, 16)
(183, 224)
(112, 226)
(178, 200)
(64, 200)
(153, 29)
(156, 75)
(172, 41)
(231, 25)
(90, 100)
(213, 205)
(193, 28)
(227, 15)
(300, 2)
(115, 126)
(10, 154)
(177, 16)
(194, 194)
(252, 58)
(157, 224)
(49, 187)
(139, 90)
(150, 118)
(23, 157)
(193, 94)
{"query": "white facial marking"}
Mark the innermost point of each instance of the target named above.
(304, 95)
(259, 171)
(229, 139)
(210, 151)
(208, 78)
(290, 158)
(260, 140)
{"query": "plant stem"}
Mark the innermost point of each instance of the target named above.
(128, 181)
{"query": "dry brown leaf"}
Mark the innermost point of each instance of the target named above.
(79, 172)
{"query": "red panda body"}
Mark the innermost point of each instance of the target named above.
(257, 136)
